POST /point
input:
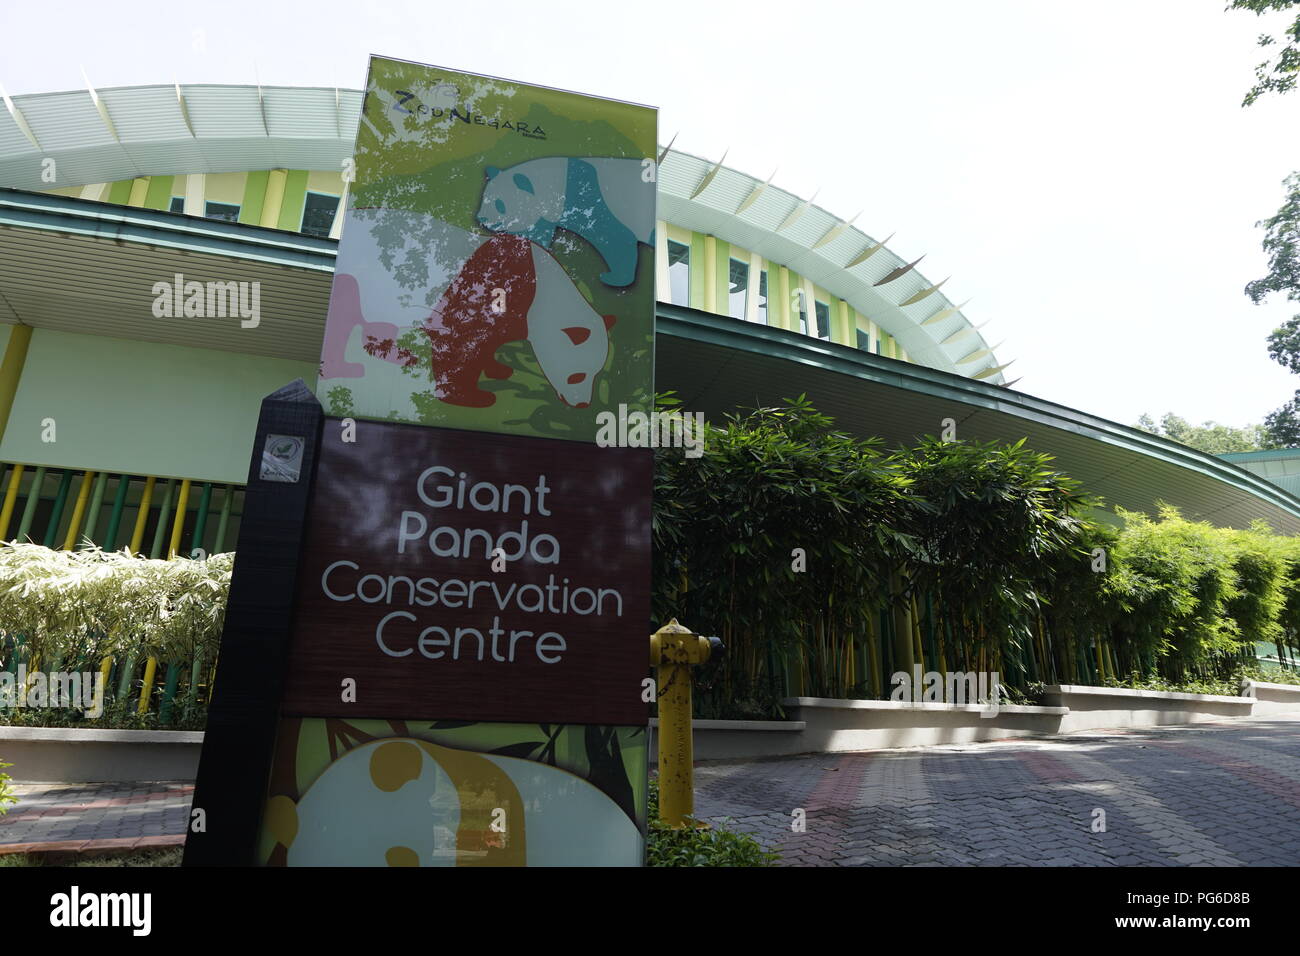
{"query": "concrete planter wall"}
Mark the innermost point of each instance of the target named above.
(840, 725)
(817, 725)
(1094, 708)
(1272, 698)
(67, 755)
(724, 739)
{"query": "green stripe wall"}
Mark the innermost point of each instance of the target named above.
(295, 198)
(250, 210)
(120, 192)
(159, 193)
(697, 272)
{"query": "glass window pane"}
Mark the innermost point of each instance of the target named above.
(738, 294)
(318, 214)
(178, 204)
(762, 298)
(864, 341)
(679, 273)
(823, 319)
(227, 212)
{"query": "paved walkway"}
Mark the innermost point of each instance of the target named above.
(1223, 794)
(76, 817)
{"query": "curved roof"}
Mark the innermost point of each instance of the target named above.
(831, 252)
(98, 136)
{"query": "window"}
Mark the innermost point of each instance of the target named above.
(679, 273)
(803, 310)
(225, 211)
(738, 294)
(762, 298)
(178, 204)
(864, 340)
(823, 312)
(318, 214)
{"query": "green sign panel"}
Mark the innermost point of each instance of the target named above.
(496, 270)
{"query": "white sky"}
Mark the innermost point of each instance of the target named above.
(1084, 171)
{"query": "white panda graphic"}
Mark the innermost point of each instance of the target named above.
(606, 201)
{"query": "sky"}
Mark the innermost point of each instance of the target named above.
(1084, 171)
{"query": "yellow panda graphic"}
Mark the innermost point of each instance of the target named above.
(408, 802)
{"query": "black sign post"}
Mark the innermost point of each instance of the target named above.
(239, 743)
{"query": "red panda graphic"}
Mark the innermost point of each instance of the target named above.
(485, 307)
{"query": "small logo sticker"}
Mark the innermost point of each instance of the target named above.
(282, 458)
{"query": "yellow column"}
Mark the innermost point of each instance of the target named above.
(11, 370)
(139, 189)
(150, 668)
(79, 510)
(178, 525)
(11, 498)
(142, 517)
(274, 198)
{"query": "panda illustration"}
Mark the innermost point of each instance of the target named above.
(407, 802)
(469, 294)
(605, 201)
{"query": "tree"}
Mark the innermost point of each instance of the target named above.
(1277, 74)
(1282, 230)
(1210, 437)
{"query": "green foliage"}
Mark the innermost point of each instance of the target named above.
(162, 856)
(340, 401)
(694, 846)
(1278, 73)
(6, 792)
(1209, 437)
(83, 605)
(726, 529)
(956, 556)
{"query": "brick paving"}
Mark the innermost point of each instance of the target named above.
(1221, 794)
(75, 817)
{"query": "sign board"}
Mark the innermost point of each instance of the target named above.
(499, 578)
(496, 268)
(453, 675)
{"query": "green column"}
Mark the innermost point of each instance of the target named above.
(169, 693)
(60, 499)
(201, 518)
(96, 502)
(115, 518)
(164, 525)
(33, 499)
(219, 544)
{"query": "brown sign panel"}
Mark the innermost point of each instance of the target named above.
(474, 577)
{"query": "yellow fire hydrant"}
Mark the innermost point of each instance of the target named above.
(674, 649)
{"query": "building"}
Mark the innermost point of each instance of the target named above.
(133, 428)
